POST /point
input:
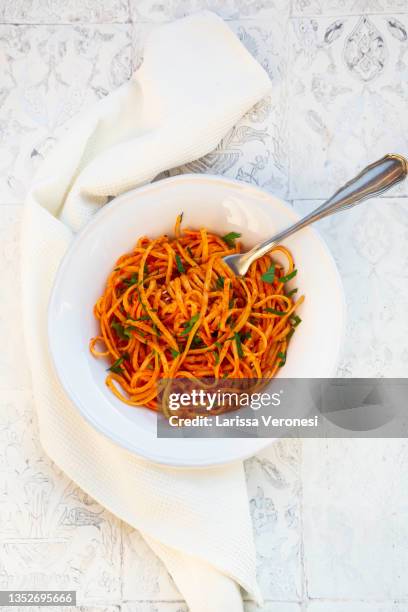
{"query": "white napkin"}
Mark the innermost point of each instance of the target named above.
(196, 81)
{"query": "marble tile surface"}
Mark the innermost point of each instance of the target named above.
(347, 98)
(354, 518)
(159, 606)
(64, 11)
(144, 575)
(146, 10)
(367, 243)
(274, 492)
(66, 609)
(273, 607)
(256, 150)
(347, 7)
(329, 517)
(48, 74)
(355, 606)
(14, 372)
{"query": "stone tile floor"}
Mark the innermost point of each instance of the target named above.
(330, 517)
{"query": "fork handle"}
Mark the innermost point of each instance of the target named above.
(373, 180)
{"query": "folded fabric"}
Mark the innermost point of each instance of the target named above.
(195, 83)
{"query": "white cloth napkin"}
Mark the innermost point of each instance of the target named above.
(196, 81)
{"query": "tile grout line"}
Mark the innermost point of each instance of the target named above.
(122, 557)
(63, 24)
(346, 15)
(303, 576)
(130, 21)
(289, 106)
(246, 19)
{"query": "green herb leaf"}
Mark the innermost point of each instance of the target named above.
(288, 277)
(269, 275)
(188, 326)
(220, 282)
(197, 341)
(179, 263)
(282, 357)
(230, 238)
(132, 280)
(275, 312)
(121, 331)
(156, 330)
(290, 333)
(174, 353)
(115, 367)
(230, 322)
(296, 320)
(216, 357)
(146, 269)
(292, 292)
(190, 252)
(231, 303)
(142, 318)
(246, 336)
(239, 345)
(218, 345)
(140, 299)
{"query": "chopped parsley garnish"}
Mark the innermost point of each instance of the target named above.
(230, 238)
(156, 330)
(246, 336)
(216, 357)
(188, 326)
(132, 280)
(140, 299)
(230, 321)
(275, 312)
(197, 341)
(292, 292)
(269, 275)
(190, 252)
(220, 282)
(115, 367)
(239, 345)
(296, 320)
(288, 277)
(218, 345)
(282, 357)
(179, 263)
(174, 353)
(290, 333)
(124, 333)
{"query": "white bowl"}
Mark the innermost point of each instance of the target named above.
(222, 205)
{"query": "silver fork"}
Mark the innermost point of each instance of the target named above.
(373, 180)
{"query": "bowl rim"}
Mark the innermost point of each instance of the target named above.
(254, 445)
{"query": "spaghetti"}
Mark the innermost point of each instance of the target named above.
(172, 309)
